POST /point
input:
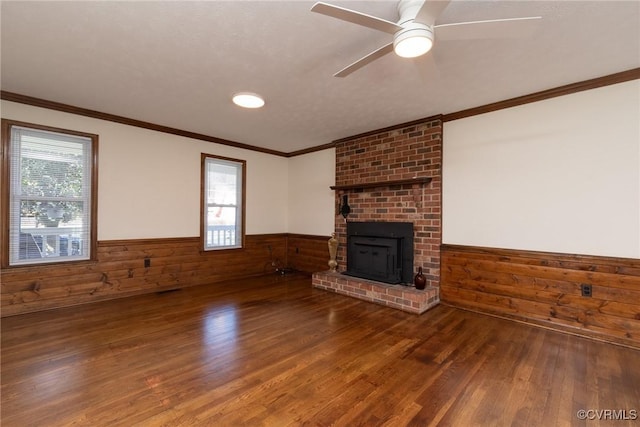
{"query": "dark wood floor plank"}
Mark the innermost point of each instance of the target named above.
(274, 351)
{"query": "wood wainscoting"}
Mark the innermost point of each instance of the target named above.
(307, 253)
(174, 263)
(546, 289)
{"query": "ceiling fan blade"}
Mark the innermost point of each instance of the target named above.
(492, 29)
(430, 11)
(356, 17)
(379, 53)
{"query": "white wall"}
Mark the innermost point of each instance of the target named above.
(149, 182)
(311, 201)
(560, 175)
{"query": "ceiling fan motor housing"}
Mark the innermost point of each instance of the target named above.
(413, 40)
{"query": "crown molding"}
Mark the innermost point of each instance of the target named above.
(66, 108)
(611, 79)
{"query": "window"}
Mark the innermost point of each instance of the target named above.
(222, 202)
(48, 194)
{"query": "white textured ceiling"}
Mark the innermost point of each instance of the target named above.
(177, 63)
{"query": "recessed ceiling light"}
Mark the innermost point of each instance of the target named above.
(248, 100)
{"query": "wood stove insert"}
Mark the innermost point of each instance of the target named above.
(381, 251)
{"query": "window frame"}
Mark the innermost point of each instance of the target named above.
(203, 203)
(5, 189)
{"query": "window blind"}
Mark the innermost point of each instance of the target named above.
(50, 196)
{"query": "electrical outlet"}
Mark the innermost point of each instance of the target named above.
(297, 250)
(147, 262)
(586, 290)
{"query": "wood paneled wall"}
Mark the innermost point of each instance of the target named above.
(545, 289)
(307, 253)
(120, 271)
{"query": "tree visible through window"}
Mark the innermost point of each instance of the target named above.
(223, 202)
(50, 180)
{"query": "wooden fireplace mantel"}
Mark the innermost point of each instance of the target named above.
(379, 184)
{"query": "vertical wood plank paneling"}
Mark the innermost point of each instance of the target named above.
(545, 289)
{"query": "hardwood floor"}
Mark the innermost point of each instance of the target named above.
(276, 352)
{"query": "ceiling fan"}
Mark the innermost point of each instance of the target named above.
(416, 31)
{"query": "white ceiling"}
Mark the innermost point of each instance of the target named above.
(177, 63)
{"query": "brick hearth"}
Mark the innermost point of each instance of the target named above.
(403, 298)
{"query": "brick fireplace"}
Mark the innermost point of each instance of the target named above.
(391, 175)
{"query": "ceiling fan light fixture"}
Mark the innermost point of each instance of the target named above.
(414, 40)
(248, 100)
